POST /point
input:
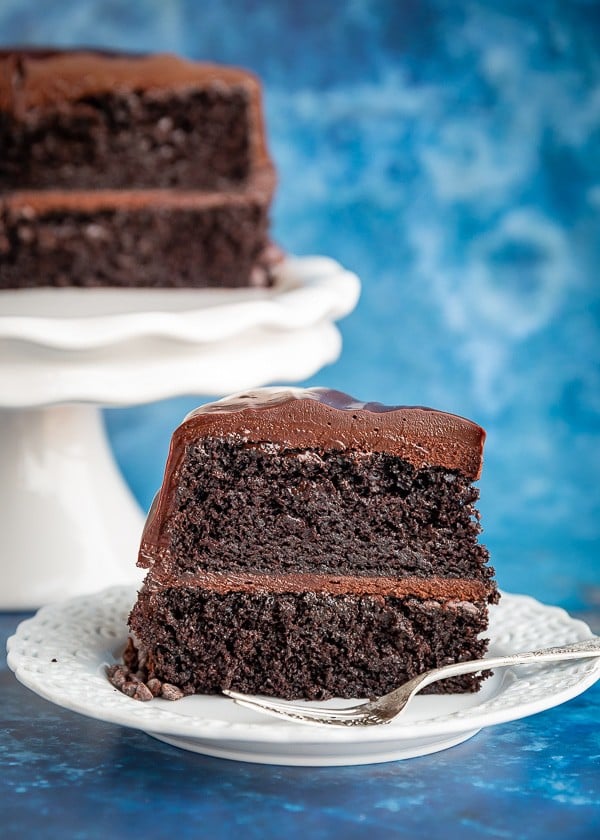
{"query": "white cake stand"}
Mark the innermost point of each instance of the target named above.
(69, 523)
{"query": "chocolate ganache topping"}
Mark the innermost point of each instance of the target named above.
(38, 77)
(321, 419)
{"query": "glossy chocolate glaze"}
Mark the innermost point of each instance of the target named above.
(320, 419)
(45, 78)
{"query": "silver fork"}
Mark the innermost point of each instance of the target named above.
(384, 709)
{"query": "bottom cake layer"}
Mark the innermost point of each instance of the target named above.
(311, 646)
(139, 238)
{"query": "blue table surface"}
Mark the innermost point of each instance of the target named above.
(449, 153)
(64, 775)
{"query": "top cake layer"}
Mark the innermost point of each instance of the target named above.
(89, 119)
(320, 418)
(311, 481)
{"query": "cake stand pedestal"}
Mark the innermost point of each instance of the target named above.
(70, 524)
(68, 520)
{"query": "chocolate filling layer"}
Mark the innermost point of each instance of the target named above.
(27, 202)
(440, 589)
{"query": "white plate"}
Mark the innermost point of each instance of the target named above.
(62, 653)
(307, 291)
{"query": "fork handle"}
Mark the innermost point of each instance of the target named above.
(577, 650)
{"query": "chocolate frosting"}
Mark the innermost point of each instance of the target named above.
(44, 78)
(320, 419)
(437, 588)
(259, 186)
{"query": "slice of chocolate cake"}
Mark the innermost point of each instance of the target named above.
(306, 545)
(125, 170)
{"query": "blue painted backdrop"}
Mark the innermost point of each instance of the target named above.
(450, 154)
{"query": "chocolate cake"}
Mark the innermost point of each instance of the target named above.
(306, 545)
(131, 170)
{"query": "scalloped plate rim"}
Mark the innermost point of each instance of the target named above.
(311, 289)
(290, 733)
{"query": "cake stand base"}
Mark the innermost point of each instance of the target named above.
(65, 507)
